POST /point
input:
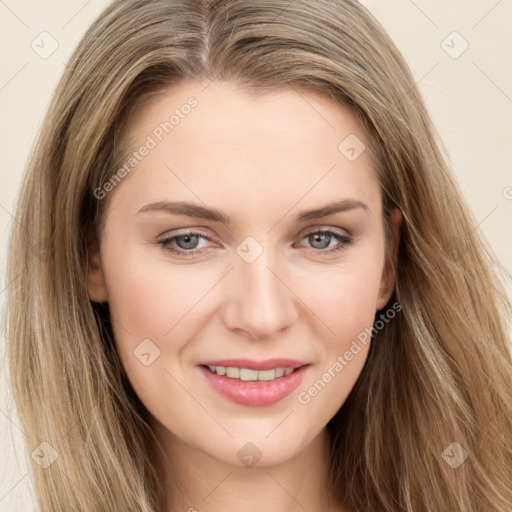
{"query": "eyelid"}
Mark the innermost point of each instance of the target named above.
(323, 227)
(185, 231)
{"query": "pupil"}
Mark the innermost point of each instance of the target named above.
(188, 243)
(318, 238)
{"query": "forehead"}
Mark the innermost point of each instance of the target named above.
(224, 113)
(218, 142)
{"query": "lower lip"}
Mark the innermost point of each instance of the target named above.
(255, 393)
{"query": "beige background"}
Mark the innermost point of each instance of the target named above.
(469, 97)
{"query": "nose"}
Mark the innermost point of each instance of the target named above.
(260, 299)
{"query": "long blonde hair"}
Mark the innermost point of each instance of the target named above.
(437, 378)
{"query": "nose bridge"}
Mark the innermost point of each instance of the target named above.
(260, 301)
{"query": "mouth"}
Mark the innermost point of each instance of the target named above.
(250, 375)
(254, 388)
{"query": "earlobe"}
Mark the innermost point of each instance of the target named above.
(388, 275)
(95, 280)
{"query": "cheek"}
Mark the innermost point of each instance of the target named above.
(149, 301)
(347, 297)
(346, 305)
(150, 298)
(343, 297)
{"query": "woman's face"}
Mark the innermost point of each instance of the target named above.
(275, 281)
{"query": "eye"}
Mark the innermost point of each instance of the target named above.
(320, 240)
(185, 241)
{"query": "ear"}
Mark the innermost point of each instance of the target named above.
(388, 275)
(95, 280)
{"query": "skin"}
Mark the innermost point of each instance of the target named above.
(261, 161)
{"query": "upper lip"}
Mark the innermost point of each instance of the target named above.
(251, 364)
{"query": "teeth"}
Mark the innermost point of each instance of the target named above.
(234, 373)
(246, 374)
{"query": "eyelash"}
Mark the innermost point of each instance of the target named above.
(344, 239)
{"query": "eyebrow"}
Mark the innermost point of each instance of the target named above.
(215, 215)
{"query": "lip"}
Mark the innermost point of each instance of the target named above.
(255, 393)
(251, 364)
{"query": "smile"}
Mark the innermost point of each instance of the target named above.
(253, 388)
(250, 375)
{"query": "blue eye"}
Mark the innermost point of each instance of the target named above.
(319, 237)
(189, 238)
(187, 242)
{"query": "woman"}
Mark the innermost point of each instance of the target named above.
(182, 338)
